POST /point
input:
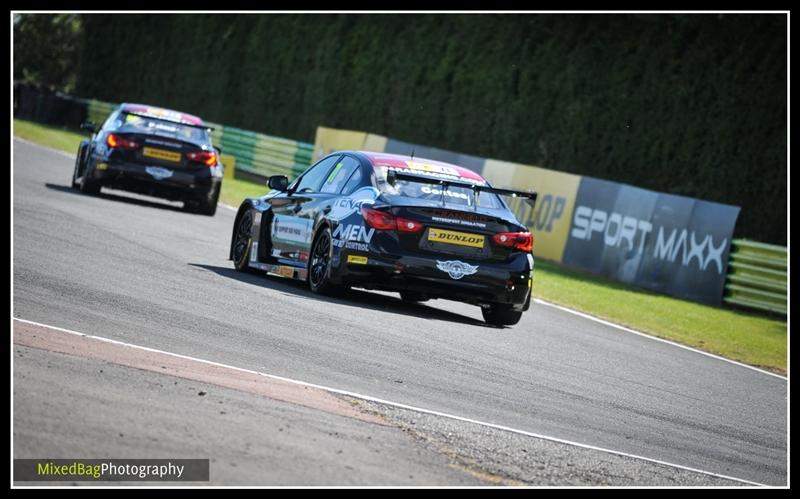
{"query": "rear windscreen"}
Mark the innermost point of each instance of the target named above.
(451, 195)
(131, 123)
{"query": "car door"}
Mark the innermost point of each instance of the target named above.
(294, 213)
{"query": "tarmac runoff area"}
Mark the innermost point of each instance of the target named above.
(257, 430)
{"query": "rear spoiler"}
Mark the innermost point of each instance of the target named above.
(151, 117)
(393, 176)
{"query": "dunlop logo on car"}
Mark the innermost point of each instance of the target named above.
(161, 154)
(357, 259)
(457, 238)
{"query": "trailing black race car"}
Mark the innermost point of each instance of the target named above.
(153, 151)
(380, 221)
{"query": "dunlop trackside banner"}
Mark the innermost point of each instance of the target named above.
(670, 244)
(550, 220)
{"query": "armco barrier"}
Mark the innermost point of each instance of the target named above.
(757, 276)
(264, 155)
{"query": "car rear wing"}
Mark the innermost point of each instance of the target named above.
(151, 117)
(393, 176)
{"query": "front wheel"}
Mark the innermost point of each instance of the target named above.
(243, 242)
(501, 315)
(319, 264)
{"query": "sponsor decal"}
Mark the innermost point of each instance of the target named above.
(447, 192)
(160, 142)
(253, 251)
(282, 270)
(353, 232)
(161, 154)
(459, 218)
(354, 245)
(158, 173)
(357, 259)
(459, 222)
(346, 206)
(678, 245)
(456, 269)
(426, 168)
(436, 174)
(291, 229)
(453, 237)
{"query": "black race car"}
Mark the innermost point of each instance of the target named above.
(152, 151)
(381, 221)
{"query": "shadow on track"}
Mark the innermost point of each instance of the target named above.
(351, 297)
(120, 199)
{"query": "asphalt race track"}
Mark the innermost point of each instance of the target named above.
(143, 272)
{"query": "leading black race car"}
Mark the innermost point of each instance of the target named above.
(424, 228)
(154, 151)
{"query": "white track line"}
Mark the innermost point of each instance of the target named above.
(568, 310)
(399, 405)
(649, 336)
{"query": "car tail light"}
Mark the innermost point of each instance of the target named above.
(379, 219)
(522, 241)
(208, 158)
(119, 142)
(382, 220)
(406, 225)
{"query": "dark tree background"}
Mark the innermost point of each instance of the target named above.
(46, 49)
(694, 105)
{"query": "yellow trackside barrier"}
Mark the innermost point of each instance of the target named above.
(550, 220)
(230, 165)
(328, 140)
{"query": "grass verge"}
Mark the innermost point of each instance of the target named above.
(751, 338)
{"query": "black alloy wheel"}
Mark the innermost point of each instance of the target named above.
(243, 242)
(319, 264)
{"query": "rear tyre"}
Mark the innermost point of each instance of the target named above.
(242, 242)
(413, 296)
(77, 169)
(89, 186)
(208, 203)
(501, 315)
(319, 264)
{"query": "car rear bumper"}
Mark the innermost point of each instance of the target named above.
(155, 180)
(491, 283)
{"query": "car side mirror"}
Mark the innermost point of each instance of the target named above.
(89, 126)
(278, 182)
